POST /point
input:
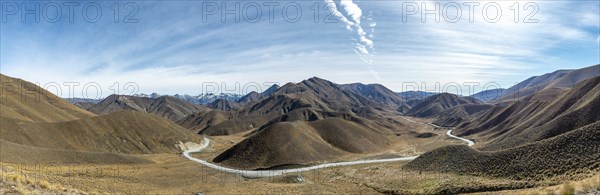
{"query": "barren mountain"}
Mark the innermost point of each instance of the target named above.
(408, 95)
(488, 95)
(165, 106)
(84, 105)
(298, 142)
(556, 81)
(436, 104)
(26, 101)
(17, 153)
(221, 104)
(51, 125)
(255, 96)
(572, 152)
(121, 132)
(458, 114)
(377, 93)
(300, 123)
(250, 97)
(526, 122)
(317, 96)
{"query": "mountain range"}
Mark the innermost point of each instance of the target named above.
(548, 85)
(316, 120)
(164, 106)
(38, 122)
(528, 140)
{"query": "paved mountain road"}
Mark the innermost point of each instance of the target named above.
(271, 173)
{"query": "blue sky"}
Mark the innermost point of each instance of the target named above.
(172, 49)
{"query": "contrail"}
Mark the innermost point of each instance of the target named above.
(363, 42)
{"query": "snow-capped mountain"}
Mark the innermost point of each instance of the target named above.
(206, 98)
(152, 95)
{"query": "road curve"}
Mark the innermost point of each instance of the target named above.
(469, 142)
(271, 173)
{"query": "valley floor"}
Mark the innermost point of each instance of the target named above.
(174, 174)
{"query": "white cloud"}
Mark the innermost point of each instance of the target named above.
(364, 42)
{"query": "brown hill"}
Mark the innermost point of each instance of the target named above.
(527, 122)
(52, 128)
(300, 123)
(327, 96)
(318, 95)
(198, 121)
(250, 97)
(121, 132)
(459, 114)
(377, 93)
(436, 104)
(247, 118)
(293, 143)
(255, 96)
(577, 151)
(558, 81)
(165, 106)
(221, 104)
(26, 101)
(84, 105)
(488, 95)
(16, 153)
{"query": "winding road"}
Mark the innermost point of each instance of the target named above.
(271, 173)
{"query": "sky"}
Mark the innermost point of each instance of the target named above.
(95, 48)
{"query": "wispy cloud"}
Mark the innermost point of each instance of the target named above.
(363, 41)
(176, 52)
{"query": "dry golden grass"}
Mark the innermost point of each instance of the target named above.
(590, 185)
(173, 174)
(567, 189)
(126, 132)
(23, 183)
(26, 101)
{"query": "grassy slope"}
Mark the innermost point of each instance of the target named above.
(13, 153)
(573, 152)
(518, 123)
(121, 132)
(26, 101)
(168, 107)
(301, 143)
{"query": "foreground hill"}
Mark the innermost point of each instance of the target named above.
(436, 104)
(526, 122)
(121, 132)
(26, 101)
(17, 153)
(293, 143)
(301, 123)
(577, 151)
(166, 106)
(556, 81)
(52, 126)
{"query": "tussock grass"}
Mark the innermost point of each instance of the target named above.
(565, 157)
(567, 189)
(25, 183)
